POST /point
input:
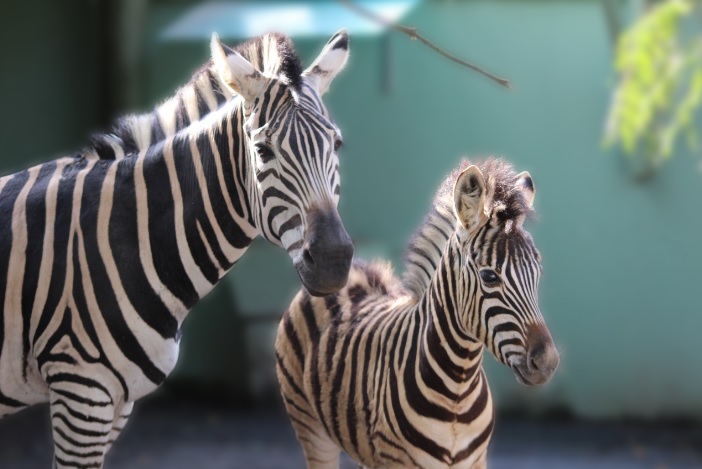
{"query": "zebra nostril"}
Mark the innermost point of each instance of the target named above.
(543, 359)
(536, 357)
(307, 258)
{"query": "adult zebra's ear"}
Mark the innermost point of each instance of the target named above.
(329, 63)
(526, 186)
(235, 71)
(469, 198)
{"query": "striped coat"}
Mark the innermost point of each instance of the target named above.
(103, 254)
(391, 373)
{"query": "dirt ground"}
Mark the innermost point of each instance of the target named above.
(177, 435)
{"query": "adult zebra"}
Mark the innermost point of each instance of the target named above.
(392, 374)
(103, 254)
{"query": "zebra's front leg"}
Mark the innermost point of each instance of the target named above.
(121, 417)
(320, 451)
(481, 462)
(82, 420)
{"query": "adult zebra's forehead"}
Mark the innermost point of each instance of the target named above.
(279, 103)
(313, 124)
(289, 116)
(322, 126)
(308, 97)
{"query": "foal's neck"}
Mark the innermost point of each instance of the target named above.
(445, 347)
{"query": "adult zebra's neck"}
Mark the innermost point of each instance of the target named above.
(196, 217)
(201, 96)
(449, 359)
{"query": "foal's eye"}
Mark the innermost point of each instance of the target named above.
(338, 144)
(264, 152)
(489, 277)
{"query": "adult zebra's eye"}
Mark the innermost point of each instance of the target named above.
(489, 277)
(264, 152)
(338, 144)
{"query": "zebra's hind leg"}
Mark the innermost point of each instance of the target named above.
(82, 419)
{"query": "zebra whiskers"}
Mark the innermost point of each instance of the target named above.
(391, 373)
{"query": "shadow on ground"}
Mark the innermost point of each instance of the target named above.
(174, 434)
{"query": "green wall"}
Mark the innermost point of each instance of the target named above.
(621, 257)
(49, 84)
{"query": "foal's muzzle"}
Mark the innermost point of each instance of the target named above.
(541, 359)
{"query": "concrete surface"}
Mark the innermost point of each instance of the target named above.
(177, 435)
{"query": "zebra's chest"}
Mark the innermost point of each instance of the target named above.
(448, 446)
(413, 437)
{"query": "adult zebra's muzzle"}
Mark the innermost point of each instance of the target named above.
(327, 252)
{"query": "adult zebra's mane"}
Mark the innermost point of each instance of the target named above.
(426, 246)
(272, 53)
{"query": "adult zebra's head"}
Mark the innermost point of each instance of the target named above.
(292, 144)
(502, 268)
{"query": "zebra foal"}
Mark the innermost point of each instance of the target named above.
(103, 254)
(392, 373)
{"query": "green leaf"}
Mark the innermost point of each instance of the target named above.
(659, 87)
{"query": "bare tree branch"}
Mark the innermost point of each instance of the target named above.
(414, 35)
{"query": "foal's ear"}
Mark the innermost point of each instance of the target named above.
(469, 198)
(235, 71)
(526, 186)
(329, 63)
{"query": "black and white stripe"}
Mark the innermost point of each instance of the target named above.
(103, 254)
(392, 374)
